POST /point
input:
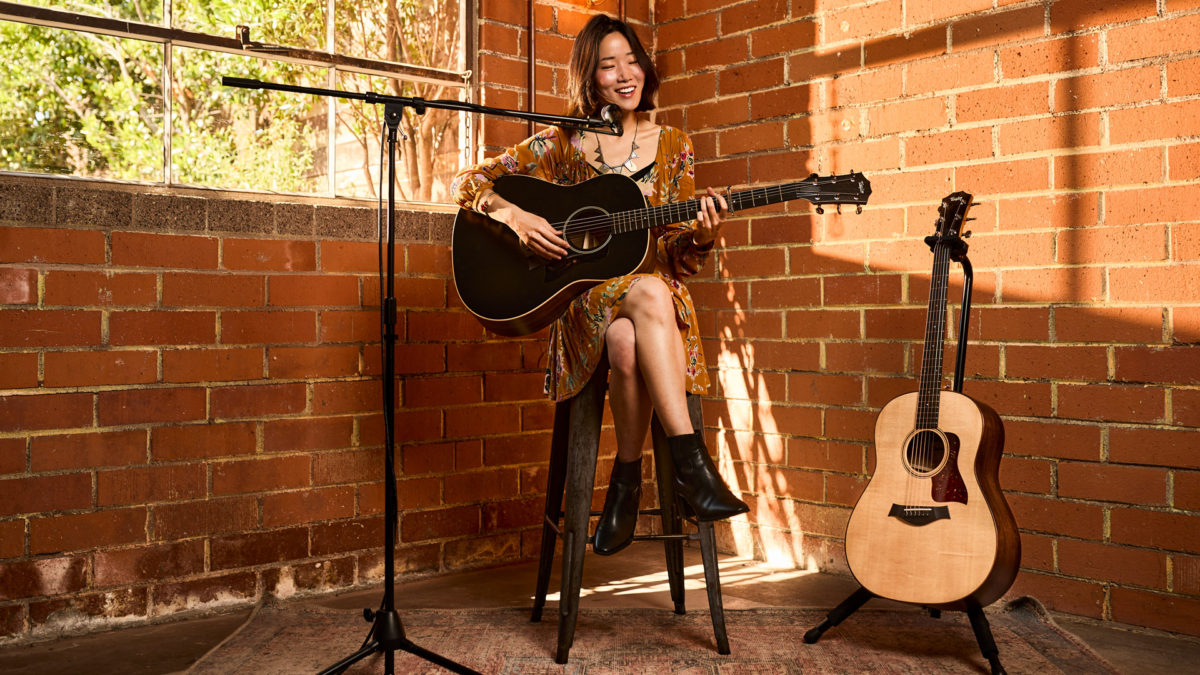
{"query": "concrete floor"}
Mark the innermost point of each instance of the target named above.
(632, 578)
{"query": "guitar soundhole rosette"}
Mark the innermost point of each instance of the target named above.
(587, 230)
(925, 452)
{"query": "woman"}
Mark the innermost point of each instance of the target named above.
(646, 321)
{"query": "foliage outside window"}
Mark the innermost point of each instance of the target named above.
(144, 102)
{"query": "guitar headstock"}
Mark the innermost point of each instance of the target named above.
(846, 188)
(952, 214)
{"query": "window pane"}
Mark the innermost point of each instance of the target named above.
(142, 11)
(417, 32)
(294, 23)
(246, 138)
(427, 160)
(80, 104)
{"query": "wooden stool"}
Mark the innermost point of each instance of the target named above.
(573, 452)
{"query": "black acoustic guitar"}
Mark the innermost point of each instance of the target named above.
(513, 291)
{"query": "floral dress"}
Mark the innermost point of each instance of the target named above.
(577, 337)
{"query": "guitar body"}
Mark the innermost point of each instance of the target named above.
(511, 290)
(958, 539)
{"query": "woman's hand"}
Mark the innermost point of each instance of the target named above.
(533, 230)
(708, 219)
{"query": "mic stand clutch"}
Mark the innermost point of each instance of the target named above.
(387, 632)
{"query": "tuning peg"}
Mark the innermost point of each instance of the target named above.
(858, 210)
(966, 235)
(820, 209)
(967, 220)
(839, 208)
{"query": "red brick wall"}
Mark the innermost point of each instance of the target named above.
(1073, 124)
(190, 403)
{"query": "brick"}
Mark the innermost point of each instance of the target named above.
(151, 484)
(88, 450)
(1182, 78)
(1130, 167)
(912, 45)
(1016, 100)
(41, 245)
(441, 523)
(952, 71)
(44, 494)
(1056, 362)
(1152, 38)
(196, 441)
(204, 517)
(323, 575)
(268, 327)
(140, 249)
(139, 406)
(312, 362)
(196, 593)
(18, 286)
(1065, 131)
(483, 357)
(14, 457)
(1131, 243)
(45, 411)
(1021, 324)
(1156, 610)
(1184, 325)
(268, 255)
(258, 475)
(307, 506)
(88, 369)
(1187, 494)
(258, 548)
(488, 485)
(914, 115)
(1153, 122)
(749, 77)
(1053, 56)
(1102, 562)
(84, 531)
(42, 577)
(1110, 483)
(823, 323)
(1185, 241)
(120, 567)
(1108, 324)
(353, 466)
(1016, 25)
(319, 433)
(351, 326)
(18, 370)
(213, 290)
(876, 289)
(1049, 515)
(486, 420)
(1155, 529)
(1186, 407)
(331, 398)
(100, 289)
(1161, 447)
(1063, 594)
(162, 328)
(1111, 402)
(22, 328)
(257, 400)
(968, 144)
(1152, 365)
(1175, 284)
(1075, 15)
(1025, 175)
(1021, 474)
(313, 291)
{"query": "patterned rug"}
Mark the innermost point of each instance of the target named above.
(280, 639)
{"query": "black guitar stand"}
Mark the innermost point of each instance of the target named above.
(979, 622)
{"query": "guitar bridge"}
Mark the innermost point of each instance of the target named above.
(919, 515)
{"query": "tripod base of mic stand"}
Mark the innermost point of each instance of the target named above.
(388, 636)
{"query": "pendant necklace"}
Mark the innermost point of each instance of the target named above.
(620, 167)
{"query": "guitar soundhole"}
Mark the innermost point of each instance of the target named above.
(926, 452)
(587, 229)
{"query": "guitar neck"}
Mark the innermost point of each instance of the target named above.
(929, 398)
(678, 212)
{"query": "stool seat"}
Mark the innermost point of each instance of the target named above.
(573, 450)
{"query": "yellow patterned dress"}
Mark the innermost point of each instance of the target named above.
(577, 337)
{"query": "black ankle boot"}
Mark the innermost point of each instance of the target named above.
(619, 519)
(697, 482)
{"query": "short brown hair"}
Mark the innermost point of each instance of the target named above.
(582, 97)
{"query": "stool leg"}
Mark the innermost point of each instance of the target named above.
(672, 522)
(712, 582)
(554, 503)
(584, 438)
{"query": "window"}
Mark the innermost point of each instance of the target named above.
(131, 90)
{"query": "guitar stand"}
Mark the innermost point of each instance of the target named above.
(979, 622)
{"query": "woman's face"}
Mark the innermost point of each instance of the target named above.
(618, 75)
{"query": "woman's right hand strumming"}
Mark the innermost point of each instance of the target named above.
(533, 230)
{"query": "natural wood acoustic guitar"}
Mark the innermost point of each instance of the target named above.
(932, 526)
(513, 291)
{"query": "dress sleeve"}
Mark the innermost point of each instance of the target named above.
(539, 155)
(676, 248)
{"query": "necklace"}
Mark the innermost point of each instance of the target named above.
(620, 167)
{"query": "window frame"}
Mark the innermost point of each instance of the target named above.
(334, 62)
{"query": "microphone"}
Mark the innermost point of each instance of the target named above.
(611, 114)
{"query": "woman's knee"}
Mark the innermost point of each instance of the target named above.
(622, 349)
(649, 293)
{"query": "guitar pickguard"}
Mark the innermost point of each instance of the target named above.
(948, 485)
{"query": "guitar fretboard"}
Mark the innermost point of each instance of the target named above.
(678, 212)
(929, 398)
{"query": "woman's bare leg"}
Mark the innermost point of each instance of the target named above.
(658, 357)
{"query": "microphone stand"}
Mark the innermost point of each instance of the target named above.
(387, 632)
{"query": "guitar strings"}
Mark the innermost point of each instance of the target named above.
(929, 398)
(679, 211)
